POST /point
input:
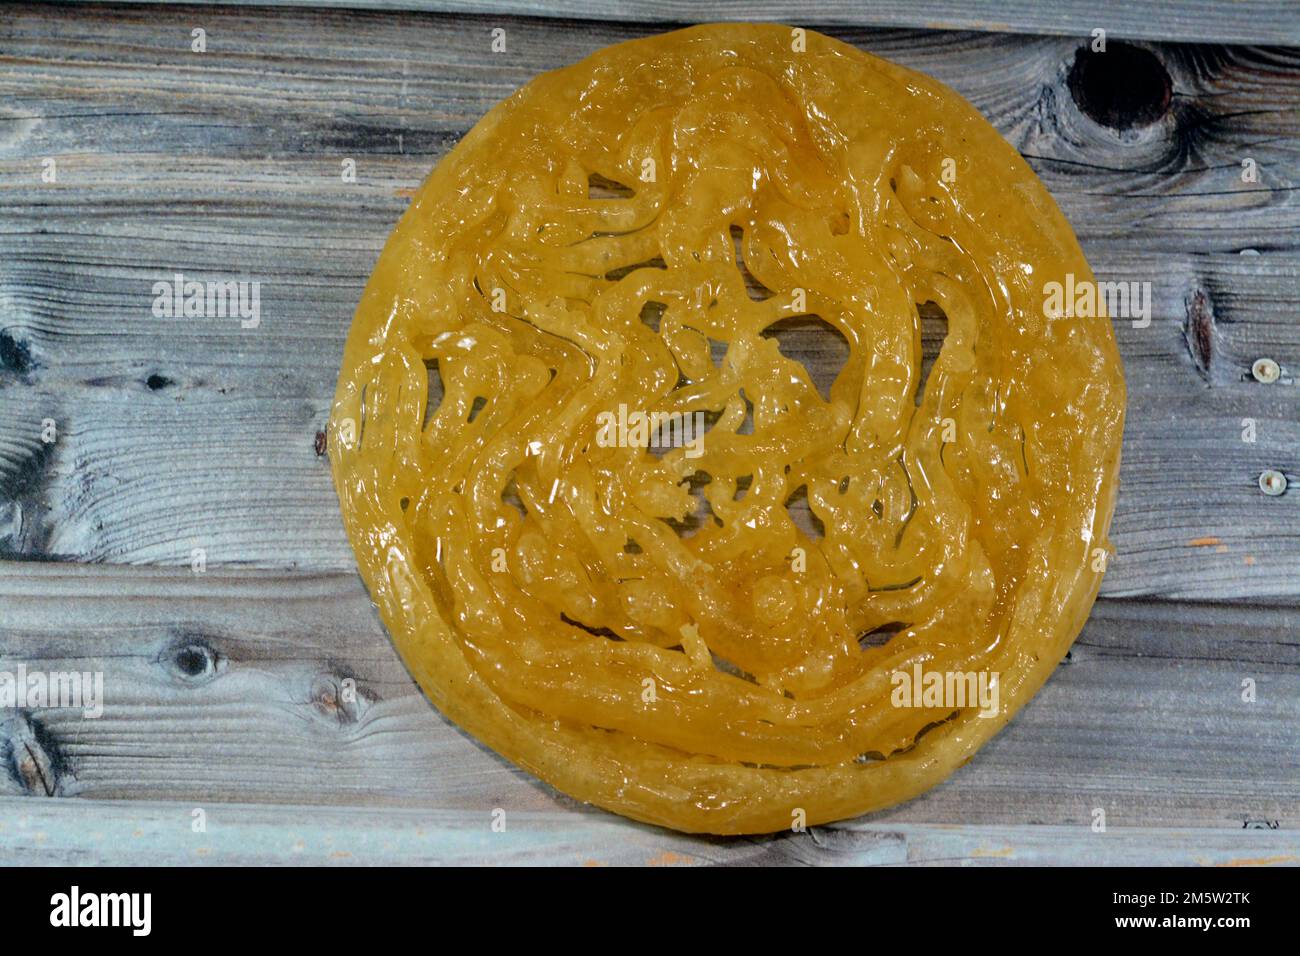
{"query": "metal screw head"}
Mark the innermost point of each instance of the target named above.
(1266, 370)
(1272, 482)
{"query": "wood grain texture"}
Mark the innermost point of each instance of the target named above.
(226, 688)
(1238, 21)
(141, 833)
(176, 434)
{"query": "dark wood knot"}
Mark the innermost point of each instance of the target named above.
(192, 660)
(15, 353)
(1124, 87)
(32, 756)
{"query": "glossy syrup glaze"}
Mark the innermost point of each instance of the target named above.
(576, 254)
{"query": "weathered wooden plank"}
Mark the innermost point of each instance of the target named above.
(394, 91)
(225, 688)
(62, 833)
(1241, 21)
(178, 434)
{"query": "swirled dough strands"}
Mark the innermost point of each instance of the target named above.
(574, 255)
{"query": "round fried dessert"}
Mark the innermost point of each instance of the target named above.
(646, 626)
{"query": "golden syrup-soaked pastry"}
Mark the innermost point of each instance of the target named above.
(535, 578)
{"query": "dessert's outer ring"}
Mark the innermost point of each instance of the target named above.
(683, 791)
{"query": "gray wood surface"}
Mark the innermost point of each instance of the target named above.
(149, 834)
(1238, 21)
(180, 434)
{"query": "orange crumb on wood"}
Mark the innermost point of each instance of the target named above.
(669, 858)
(1203, 542)
(1262, 861)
